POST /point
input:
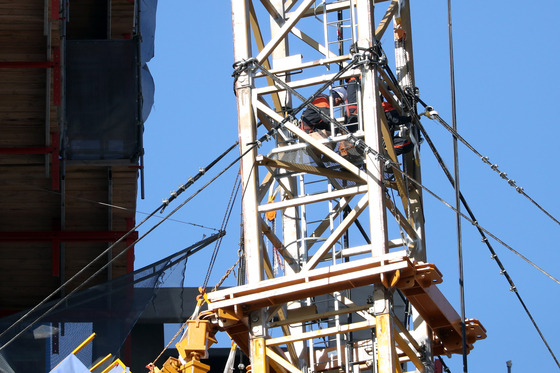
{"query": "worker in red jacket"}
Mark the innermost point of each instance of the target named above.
(314, 123)
(347, 148)
(399, 126)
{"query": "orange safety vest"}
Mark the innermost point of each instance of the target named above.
(320, 102)
(387, 106)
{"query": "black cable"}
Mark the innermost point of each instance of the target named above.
(225, 221)
(104, 253)
(445, 367)
(493, 253)
(472, 219)
(486, 160)
(200, 173)
(457, 188)
(347, 210)
(494, 256)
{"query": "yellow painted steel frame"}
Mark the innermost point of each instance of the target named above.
(115, 364)
(83, 344)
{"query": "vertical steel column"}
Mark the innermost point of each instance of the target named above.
(249, 174)
(405, 75)
(370, 89)
(386, 356)
(247, 135)
(289, 216)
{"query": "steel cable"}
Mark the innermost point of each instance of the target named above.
(513, 288)
(486, 160)
(494, 255)
(104, 204)
(104, 253)
(472, 220)
(229, 209)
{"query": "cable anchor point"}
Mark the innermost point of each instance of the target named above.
(165, 203)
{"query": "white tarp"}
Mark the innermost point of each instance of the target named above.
(70, 365)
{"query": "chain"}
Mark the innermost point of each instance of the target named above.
(228, 272)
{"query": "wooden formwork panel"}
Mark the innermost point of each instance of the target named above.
(22, 265)
(79, 254)
(21, 81)
(122, 19)
(28, 204)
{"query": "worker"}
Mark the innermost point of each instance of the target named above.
(346, 148)
(314, 123)
(399, 126)
(352, 103)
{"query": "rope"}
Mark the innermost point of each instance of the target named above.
(104, 253)
(229, 209)
(475, 223)
(228, 272)
(199, 302)
(440, 160)
(445, 367)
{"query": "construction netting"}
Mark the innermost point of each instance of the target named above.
(301, 155)
(110, 310)
(109, 93)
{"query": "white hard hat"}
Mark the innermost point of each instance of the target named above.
(341, 92)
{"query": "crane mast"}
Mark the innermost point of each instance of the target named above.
(336, 272)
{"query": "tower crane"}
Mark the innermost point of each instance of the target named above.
(336, 269)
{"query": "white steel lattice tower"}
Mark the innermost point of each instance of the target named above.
(333, 226)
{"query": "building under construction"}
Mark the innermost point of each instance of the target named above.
(73, 99)
(334, 257)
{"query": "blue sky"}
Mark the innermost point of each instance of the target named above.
(507, 99)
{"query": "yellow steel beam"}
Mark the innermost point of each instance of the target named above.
(84, 344)
(385, 344)
(100, 362)
(401, 342)
(281, 361)
(384, 23)
(260, 45)
(258, 358)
